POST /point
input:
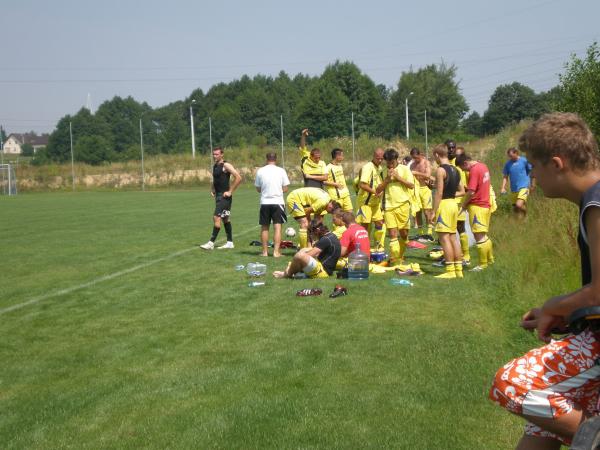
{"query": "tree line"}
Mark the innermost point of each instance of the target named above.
(248, 111)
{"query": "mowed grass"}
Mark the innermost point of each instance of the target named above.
(116, 331)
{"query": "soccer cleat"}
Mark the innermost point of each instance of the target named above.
(227, 244)
(338, 291)
(309, 292)
(428, 237)
(477, 269)
(408, 272)
(466, 262)
(446, 275)
(208, 246)
(440, 263)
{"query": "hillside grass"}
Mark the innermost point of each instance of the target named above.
(116, 331)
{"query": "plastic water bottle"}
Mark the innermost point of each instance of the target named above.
(358, 265)
(401, 282)
(256, 283)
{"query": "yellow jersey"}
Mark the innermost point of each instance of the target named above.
(335, 174)
(304, 197)
(396, 193)
(373, 176)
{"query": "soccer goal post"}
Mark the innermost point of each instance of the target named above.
(8, 179)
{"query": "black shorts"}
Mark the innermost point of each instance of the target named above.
(222, 206)
(275, 213)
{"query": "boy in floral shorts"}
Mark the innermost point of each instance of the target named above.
(556, 387)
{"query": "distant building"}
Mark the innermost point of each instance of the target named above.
(14, 141)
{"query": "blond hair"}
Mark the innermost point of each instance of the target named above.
(441, 150)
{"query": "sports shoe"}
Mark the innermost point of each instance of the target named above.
(466, 262)
(408, 272)
(208, 246)
(308, 292)
(428, 237)
(477, 269)
(338, 291)
(440, 263)
(227, 244)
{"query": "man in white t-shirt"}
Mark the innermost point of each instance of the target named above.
(271, 182)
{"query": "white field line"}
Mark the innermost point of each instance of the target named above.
(111, 276)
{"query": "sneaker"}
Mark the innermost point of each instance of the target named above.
(428, 237)
(440, 263)
(208, 246)
(408, 272)
(476, 269)
(338, 291)
(466, 262)
(227, 244)
(308, 292)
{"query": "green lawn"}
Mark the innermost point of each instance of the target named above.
(116, 331)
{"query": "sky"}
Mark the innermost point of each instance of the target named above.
(59, 55)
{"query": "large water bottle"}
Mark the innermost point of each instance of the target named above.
(358, 265)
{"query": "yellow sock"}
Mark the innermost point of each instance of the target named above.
(379, 235)
(464, 246)
(482, 251)
(490, 252)
(402, 245)
(430, 230)
(303, 238)
(394, 250)
(450, 271)
(458, 269)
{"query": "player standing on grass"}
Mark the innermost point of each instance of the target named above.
(477, 202)
(421, 169)
(271, 182)
(336, 180)
(462, 215)
(368, 201)
(222, 190)
(556, 387)
(314, 171)
(517, 169)
(448, 185)
(397, 185)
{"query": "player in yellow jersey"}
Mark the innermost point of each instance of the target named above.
(368, 200)
(462, 216)
(304, 203)
(335, 185)
(397, 185)
(314, 171)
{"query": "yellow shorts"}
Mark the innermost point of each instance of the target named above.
(398, 217)
(296, 208)
(523, 194)
(314, 269)
(462, 216)
(345, 202)
(369, 214)
(426, 197)
(479, 218)
(446, 216)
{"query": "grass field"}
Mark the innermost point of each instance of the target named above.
(116, 331)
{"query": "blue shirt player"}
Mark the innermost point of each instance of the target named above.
(517, 169)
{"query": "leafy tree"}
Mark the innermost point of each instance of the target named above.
(434, 89)
(27, 150)
(364, 97)
(580, 88)
(325, 110)
(2, 135)
(473, 124)
(511, 103)
(93, 150)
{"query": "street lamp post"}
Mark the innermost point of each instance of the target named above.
(142, 152)
(192, 130)
(406, 110)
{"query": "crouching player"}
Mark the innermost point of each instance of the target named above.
(555, 387)
(318, 261)
(306, 202)
(448, 187)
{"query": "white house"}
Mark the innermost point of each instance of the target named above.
(14, 141)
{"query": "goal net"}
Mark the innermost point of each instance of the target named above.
(8, 180)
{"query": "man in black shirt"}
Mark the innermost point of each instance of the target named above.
(318, 261)
(222, 190)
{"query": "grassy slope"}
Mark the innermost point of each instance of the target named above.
(183, 354)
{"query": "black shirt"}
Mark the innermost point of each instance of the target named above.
(331, 249)
(591, 198)
(220, 178)
(451, 181)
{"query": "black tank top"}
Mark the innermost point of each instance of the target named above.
(220, 178)
(451, 181)
(590, 199)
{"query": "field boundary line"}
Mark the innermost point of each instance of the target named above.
(103, 278)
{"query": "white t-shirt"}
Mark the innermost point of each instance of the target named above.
(271, 179)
